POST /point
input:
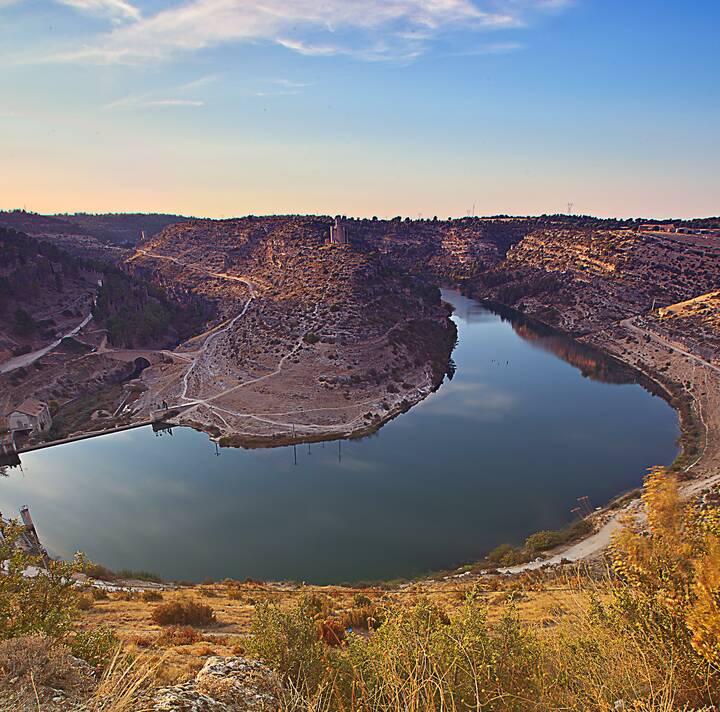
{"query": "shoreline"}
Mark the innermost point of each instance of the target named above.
(685, 402)
(609, 518)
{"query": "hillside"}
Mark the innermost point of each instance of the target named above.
(695, 323)
(43, 291)
(585, 278)
(319, 339)
(103, 238)
(121, 228)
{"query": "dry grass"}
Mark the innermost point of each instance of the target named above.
(178, 635)
(42, 661)
(126, 684)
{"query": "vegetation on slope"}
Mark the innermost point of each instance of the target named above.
(137, 313)
(643, 636)
(649, 640)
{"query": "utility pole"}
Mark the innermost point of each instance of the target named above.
(570, 207)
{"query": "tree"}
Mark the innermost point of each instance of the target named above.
(44, 603)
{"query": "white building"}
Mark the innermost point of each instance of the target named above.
(32, 415)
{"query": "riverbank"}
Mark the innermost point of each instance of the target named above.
(691, 386)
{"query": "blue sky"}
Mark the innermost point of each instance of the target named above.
(361, 107)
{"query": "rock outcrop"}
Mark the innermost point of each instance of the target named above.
(223, 685)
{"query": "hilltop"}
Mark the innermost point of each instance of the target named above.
(317, 339)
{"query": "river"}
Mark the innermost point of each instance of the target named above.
(530, 422)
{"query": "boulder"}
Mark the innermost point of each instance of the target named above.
(223, 685)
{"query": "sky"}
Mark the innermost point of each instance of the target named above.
(223, 108)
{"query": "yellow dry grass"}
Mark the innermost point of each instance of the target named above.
(538, 602)
(709, 302)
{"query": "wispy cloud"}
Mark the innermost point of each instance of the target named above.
(117, 10)
(133, 102)
(169, 103)
(491, 48)
(175, 97)
(368, 29)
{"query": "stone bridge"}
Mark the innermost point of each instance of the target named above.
(142, 358)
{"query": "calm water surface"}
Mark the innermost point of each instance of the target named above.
(503, 449)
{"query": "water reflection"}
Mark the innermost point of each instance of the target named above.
(502, 450)
(591, 362)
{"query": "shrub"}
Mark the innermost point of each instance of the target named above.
(363, 618)
(85, 601)
(139, 575)
(317, 604)
(672, 576)
(183, 613)
(331, 631)
(44, 604)
(360, 600)
(178, 635)
(288, 642)
(542, 541)
(98, 571)
(507, 555)
(96, 646)
(43, 660)
(150, 596)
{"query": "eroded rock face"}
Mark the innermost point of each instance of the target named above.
(223, 685)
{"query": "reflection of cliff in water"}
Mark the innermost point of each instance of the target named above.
(591, 362)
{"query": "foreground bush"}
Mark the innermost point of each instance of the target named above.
(43, 604)
(183, 613)
(671, 575)
(43, 661)
(96, 646)
(288, 641)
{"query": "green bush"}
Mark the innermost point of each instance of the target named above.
(542, 541)
(507, 555)
(419, 658)
(288, 641)
(96, 646)
(43, 604)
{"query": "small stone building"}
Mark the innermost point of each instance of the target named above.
(32, 415)
(338, 232)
